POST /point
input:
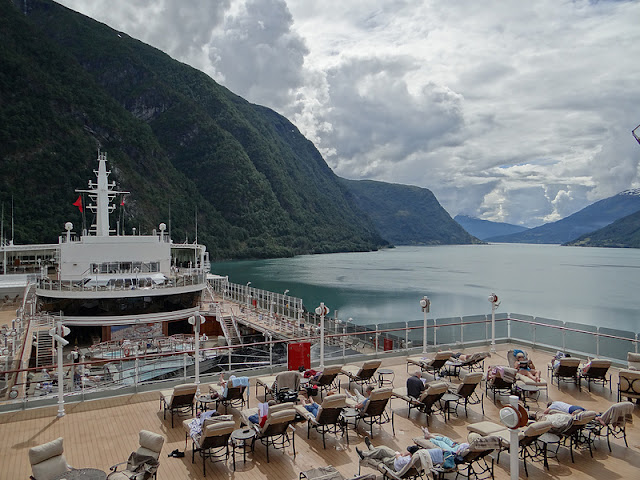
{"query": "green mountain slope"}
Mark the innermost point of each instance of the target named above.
(623, 233)
(408, 215)
(174, 137)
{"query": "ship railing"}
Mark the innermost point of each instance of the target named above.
(279, 304)
(140, 370)
(178, 280)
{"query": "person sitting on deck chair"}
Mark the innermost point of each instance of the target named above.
(415, 385)
(526, 367)
(310, 405)
(361, 399)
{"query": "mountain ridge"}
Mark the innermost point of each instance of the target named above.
(591, 218)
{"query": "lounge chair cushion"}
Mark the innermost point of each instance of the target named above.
(150, 443)
(633, 361)
(486, 428)
(47, 460)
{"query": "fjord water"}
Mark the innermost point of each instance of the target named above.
(596, 286)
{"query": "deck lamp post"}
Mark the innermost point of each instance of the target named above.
(58, 333)
(196, 321)
(322, 311)
(425, 303)
(513, 418)
(493, 299)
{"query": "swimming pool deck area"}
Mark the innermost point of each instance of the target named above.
(100, 433)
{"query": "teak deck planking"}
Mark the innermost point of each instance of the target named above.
(103, 432)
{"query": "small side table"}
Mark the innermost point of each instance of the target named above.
(203, 402)
(349, 417)
(386, 372)
(240, 439)
(546, 439)
(447, 398)
(526, 393)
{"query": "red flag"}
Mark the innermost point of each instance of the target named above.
(78, 203)
(122, 202)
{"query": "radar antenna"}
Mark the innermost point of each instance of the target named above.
(636, 132)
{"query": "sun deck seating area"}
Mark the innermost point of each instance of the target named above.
(99, 433)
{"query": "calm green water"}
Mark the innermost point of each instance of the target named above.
(595, 286)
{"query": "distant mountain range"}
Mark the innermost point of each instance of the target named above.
(484, 229)
(587, 220)
(407, 215)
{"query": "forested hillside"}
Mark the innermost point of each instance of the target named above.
(408, 215)
(176, 139)
(623, 233)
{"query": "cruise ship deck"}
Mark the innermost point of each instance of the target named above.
(101, 433)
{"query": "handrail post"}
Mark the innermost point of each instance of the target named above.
(534, 336)
(376, 339)
(598, 342)
(461, 332)
(344, 342)
(636, 344)
(406, 336)
(184, 366)
(137, 373)
(271, 351)
(509, 329)
(564, 345)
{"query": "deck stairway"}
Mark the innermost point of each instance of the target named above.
(44, 341)
(230, 329)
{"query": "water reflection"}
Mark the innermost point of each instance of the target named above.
(586, 285)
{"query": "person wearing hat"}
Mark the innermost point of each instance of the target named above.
(391, 458)
(526, 367)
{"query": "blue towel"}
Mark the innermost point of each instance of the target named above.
(516, 352)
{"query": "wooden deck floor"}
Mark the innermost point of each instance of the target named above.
(103, 432)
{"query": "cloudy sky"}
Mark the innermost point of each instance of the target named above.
(509, 111)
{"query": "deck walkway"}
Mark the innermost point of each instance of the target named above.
(103, 432)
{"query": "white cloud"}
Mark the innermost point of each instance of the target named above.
(511, 111)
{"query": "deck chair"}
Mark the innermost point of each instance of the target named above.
(47, 460)
(328, 419)
(235, 393)
(363, 374)
(330, 473)
(615, 422)
(179, 400)
(428, 401)
(526, 441)
(456, 368)
(413, 470)
(474, 459)
(213, 443)
(523, 378)
(633, 361)
(467, 392)
(375, 411)
(275, 431)
(433, 365)
(328, 379)
(287, 386)
(574, 432)
(267, 383)
(503, 383)
(566, 370)
(596, 371)
(629, 385)
(144, 462)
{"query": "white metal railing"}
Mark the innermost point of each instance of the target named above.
(144, 366)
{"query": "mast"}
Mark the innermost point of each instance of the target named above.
(102, 193)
